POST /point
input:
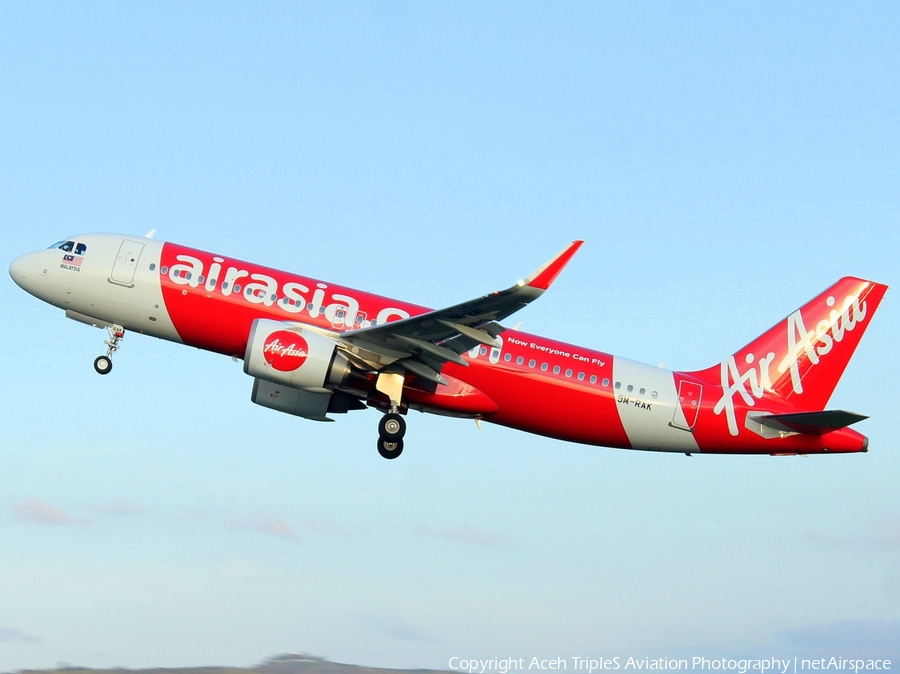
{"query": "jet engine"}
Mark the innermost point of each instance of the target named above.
(285, 354)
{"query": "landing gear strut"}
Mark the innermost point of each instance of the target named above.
(103, 364)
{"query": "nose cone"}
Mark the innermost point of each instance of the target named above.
(24, 270)
(18, 270)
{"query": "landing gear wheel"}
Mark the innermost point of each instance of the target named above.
(102, 364)
(388, 449)
(391, 428)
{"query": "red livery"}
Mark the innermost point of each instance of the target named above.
(315, 349)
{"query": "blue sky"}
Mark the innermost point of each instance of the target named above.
(724, 163)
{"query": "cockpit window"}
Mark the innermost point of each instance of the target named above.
(70, 246)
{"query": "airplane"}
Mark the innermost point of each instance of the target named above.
(315, 349)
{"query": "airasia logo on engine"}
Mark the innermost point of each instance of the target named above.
(285, 351)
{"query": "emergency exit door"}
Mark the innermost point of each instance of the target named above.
(689, 393)
(126, 262)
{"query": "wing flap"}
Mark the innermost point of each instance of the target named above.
(479, 336)
(442, 353)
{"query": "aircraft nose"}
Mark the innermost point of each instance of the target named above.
(18, 270)
(24, 271)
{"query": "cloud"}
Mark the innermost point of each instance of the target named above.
(11, 634)
(326, 527)
(858, 639)
(398, 629)
(892, 528)
(464, 533)
(32, 511)
(120, 509)
(885, 537)
(853, 638)
(273, 526)
(830, 540)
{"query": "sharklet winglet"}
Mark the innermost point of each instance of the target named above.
(543, 277)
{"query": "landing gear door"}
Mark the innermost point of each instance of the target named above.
(689, 393)
(126, 263)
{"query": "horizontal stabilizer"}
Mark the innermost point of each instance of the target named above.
(811, 423)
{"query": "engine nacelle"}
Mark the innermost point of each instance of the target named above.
(293, 356)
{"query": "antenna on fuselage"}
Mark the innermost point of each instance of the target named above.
(151, 233)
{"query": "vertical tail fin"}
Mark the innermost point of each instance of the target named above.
(801, 359)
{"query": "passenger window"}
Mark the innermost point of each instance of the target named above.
(237, 287)
(654, 394)
(618, 385)
(544, 367)
(605, 382)
(507, 357)
(593, 379)
(556, 369)
(520, 360)
(224, 285)
(483, 351)
(80, 249)
(642, 391)
(152, 266)
(630, 388)
(569, 372)
(581, 376)
(532, 362)
(164, 270)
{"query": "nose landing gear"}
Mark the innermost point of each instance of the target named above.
(103, 364)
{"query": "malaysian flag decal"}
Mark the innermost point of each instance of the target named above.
(72, 262)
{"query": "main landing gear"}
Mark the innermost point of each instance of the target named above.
(391, 430)
(392, 427)
(103, 364)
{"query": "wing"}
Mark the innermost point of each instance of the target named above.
(422, 344)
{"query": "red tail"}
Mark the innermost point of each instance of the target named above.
(801, 359)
